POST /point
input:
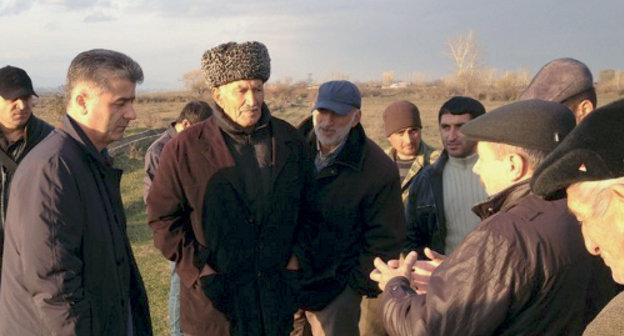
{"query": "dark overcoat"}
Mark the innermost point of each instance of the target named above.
(360, 196)
(68, 265)
(36, 130)
(200, 215)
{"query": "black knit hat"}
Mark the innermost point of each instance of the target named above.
(530, 124)
(559, 80)
(593, 151)
(233, 61)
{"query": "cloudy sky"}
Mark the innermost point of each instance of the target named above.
(359, 38)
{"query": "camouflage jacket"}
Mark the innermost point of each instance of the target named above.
(426, 156)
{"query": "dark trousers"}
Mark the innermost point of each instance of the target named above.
(339, 318)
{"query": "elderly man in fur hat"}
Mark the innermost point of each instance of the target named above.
(589, 164)
(523, 270)
(233, 204)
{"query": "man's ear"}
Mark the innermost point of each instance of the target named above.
(584, 108)
(518, 167)
(80, 98)
(185, 123)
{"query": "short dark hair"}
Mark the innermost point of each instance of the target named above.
(461, 105)
(573, 102)
(99, 66)
(195, 111)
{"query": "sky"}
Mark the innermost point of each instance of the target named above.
(317, 39)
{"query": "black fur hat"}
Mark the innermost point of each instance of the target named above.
(593, 151)
(233, 61)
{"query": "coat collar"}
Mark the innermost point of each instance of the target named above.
(352, 154)
(503, 201)
(70, 127)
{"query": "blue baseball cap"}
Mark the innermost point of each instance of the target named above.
(339, 97)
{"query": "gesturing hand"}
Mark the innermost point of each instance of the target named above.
(384, 272)
(423, 269)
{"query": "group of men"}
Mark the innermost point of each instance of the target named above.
(272, 229)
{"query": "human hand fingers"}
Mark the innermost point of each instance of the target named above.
(375, 275)
(436, 257)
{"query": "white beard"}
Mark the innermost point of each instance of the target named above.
(339, 133)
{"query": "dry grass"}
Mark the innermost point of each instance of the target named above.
(154, 111)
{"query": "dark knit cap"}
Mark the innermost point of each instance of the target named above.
(400, 115)
(233, 61)
(529, 124)
(15, 83)
(593, 151)
(559, 80)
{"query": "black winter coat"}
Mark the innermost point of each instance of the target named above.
(523, 271)
(360, 196)
(69, 267)
(200, 214)
(424, 210)
(36, 130)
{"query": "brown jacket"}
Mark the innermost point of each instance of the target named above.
(198, 210)
(523, 271)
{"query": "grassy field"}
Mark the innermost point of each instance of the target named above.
(154, 114)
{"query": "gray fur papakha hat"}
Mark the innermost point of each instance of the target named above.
(229, 62)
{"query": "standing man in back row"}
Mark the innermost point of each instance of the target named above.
(193, 112)
(566, 81)
(438, 210)
(20, 130)
(403, 128)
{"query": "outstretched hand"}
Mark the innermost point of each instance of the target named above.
(423, 269)
(384, 272)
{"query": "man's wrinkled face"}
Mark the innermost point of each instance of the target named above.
(454, 141)
(110, 111)
(15, 113)
(241, 100)
(331, 128)
(603, 235)
(406, 142)
(492, 170)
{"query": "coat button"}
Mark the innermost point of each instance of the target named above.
(259, 274)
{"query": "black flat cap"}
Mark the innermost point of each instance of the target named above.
(593, 151)
(559, 80)
(530, 124)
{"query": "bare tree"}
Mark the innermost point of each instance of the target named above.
(195, 82)
(466, 54)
